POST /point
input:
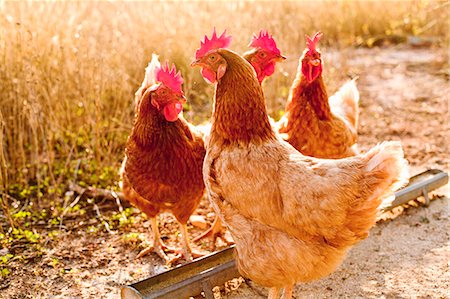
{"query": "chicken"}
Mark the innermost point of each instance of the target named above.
(164, 155)
(313, 124)
(292, 217)
(264, 55)
(263, 58)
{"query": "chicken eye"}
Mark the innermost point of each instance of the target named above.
(212, 57)
(262, 54)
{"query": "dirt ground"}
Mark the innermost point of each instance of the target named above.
(404, 96)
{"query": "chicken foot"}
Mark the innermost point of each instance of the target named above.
(214, 232)
(188, 253)
(158, 246)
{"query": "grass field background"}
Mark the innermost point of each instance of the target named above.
(68, 72)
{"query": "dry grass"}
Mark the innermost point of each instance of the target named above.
(68, 71)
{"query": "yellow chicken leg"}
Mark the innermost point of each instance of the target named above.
(273, 293)
(158, 245)
(287, 292)
(188, 253)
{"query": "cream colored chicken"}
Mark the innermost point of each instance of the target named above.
(292, 217)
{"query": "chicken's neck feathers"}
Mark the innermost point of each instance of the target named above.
(240, 113)
(151, 130)
(313, 94)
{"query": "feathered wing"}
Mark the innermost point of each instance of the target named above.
(345, 102)
(149, 78)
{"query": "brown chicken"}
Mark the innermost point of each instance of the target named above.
(292, 217)
(264, 55)
(164, 156)
(314, 124)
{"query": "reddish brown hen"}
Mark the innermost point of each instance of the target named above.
(264, 55)
(314, 124)
(164, 156)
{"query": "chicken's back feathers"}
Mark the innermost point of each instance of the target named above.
(204, 129)
(345, 102)
(386, 168)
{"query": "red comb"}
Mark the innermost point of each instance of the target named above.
(169, 77)
(213, 43)
(311, 43)
(264, 41)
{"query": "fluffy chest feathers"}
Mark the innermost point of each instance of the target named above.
(310, 126)
(224, 168)
(168, 167)
(318, 138)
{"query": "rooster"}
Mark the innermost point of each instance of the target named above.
(292, 217)
(164, 156)
(314, 124)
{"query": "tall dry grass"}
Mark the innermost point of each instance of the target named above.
(68, 71)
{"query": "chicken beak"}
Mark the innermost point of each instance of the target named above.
(183, 99)
(281, 58)
(315, 62)
(195, 63)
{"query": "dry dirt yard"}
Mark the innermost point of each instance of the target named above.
(404, 96)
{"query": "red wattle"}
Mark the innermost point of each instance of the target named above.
(269, 69)
(172, 110)
(209, 75)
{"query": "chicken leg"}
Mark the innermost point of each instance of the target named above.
(287, 292)
(273, 293)
(215, 231)
(158, 245)
(188, 253)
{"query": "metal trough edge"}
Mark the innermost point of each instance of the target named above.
(421, 188)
